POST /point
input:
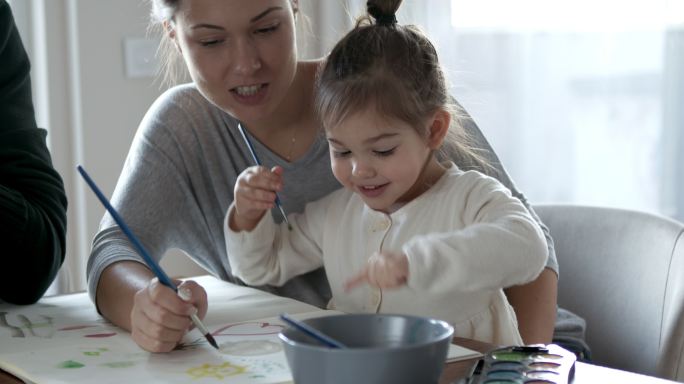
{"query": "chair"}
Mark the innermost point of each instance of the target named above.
(623, 272)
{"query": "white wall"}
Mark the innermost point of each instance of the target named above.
(112, 103)
(89, 106)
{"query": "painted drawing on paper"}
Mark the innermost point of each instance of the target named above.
(50, 344)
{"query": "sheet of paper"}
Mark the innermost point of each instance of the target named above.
(458, 353)
(62, 339)
(250, 352)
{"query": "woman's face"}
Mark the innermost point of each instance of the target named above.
(241, 54)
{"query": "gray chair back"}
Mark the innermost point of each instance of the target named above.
(623, 272)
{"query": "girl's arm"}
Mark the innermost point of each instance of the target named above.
(535, 303)
(489, 242)
(270, 253)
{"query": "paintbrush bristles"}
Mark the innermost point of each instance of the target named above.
(282, 212)
(211, 340)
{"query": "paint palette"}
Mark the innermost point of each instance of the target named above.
(533, 364)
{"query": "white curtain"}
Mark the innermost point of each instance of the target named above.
(582, 100)
(48, 33)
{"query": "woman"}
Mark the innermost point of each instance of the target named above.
(178, 179)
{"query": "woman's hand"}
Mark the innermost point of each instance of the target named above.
(255, 193)
(160, 318)
(383, 270)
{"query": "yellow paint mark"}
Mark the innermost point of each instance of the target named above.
(219, 371)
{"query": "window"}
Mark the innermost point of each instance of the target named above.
(580, 99)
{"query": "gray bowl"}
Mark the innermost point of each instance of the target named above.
(381, 349)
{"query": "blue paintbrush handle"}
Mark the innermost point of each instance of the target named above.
(163, 278)
(256, 160)
(249, 144)
(313, 332)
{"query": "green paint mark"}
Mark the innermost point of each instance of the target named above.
(119, 364)
(96, 352)
(37, 325)
(509, 356)
(70, 364)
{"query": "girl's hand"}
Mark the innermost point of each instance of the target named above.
(255, 193)
(383, 270)
(160, 319)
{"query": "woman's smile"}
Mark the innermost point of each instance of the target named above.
(250, 94)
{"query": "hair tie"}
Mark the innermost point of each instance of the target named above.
(381, 18)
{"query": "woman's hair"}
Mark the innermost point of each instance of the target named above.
(394, 69)
(172, 68)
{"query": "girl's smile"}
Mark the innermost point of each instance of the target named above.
(372, 191)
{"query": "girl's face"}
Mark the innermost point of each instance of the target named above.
(385, 161)
(241, 54)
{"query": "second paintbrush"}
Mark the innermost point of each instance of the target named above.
(256, 160)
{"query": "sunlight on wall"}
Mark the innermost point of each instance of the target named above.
(562, 15)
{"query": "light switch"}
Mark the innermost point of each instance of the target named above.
(139, 57)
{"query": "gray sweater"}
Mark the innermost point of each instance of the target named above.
(177, 183)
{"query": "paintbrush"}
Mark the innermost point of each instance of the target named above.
(256, 160)
(161, 275)
(311, 331)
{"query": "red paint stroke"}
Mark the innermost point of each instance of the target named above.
(74, 327)
(248, 329)
(101, 335)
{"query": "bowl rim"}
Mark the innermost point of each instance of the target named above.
(448, 334)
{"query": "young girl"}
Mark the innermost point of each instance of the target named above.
(408, 233)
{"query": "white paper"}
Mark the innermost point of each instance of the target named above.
(62, 339)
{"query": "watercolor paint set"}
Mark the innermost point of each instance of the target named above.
(533, 364)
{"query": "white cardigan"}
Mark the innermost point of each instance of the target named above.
(465, 238)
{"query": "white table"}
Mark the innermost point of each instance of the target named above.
(228, 303)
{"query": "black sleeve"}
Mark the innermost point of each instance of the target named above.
(32, 199)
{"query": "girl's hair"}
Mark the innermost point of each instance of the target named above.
(394, 69)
